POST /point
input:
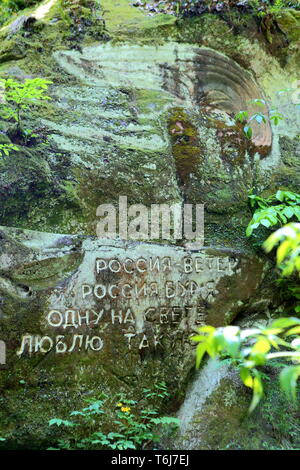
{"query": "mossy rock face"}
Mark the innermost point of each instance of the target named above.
(82, 316)
(141, 107)
(164, 132)
(111, 133)
(215, 414)
(11, 50)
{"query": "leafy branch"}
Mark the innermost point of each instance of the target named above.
(277, 209)
(133, 425)
(6, 149)
(252, 348)
(245, 118)
(19, 97)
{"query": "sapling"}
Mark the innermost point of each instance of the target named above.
(5, 149)
(18, 97)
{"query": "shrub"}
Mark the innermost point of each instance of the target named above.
(275, 210)
(122, 424)
(20, 97)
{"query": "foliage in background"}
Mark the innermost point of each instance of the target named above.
(9, 7)
(131, 425)
(272, 212)
(288, 259)
(262, 8)
(275, 210)
(272, 116)
(245, 118)
(251, 348)
(288, 251)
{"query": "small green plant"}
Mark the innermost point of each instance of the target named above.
(277, 209)
(245, 118)
(278, 6)
(6, 149)
(268, 213)
(19, 97)
(262, 8)
(159, 391)
(9, 7)
(250, 349)
(272, 115)
(132, 423)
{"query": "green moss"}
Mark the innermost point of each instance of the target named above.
(11, 50)
(124, 22)
(289, 22)
(186, 149)
(274, 425)
(224, 423)
(64, 26)
(46, 272)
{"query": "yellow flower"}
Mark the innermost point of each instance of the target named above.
(125, 409)
(119, 404)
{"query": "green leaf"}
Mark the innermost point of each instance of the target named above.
(293, 331)
(288, 381)
(113, 435)
(166, 420)
(285, 322)
(282, 251)
(250, 229)
(77, 413)
(128, 445)
(289, 212)
(257, 391)
(242, 116)
(280, 196)
(200, 351)
(297, 212)
(258, 102)
(296, 342)
(266, 223)
(61, 422)
(246, 377)
(248, 132)
(232, 340)
(261, 346)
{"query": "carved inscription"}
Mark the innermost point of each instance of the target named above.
(145, 297)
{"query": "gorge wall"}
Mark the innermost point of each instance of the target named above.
(142, 106)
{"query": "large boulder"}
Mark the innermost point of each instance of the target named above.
(215, 414)
(148, 115)
(103, 315)
(150, 121)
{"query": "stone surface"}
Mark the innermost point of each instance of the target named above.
(155, 124)
(216, 404)
(117, 315)
(147, 115)
(215, 414)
